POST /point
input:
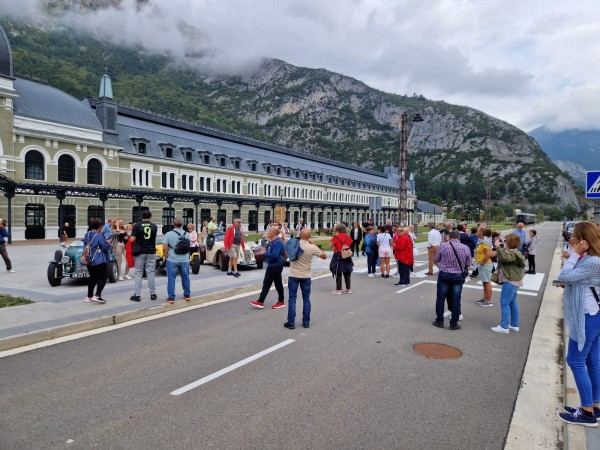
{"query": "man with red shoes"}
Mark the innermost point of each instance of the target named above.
(275, 257)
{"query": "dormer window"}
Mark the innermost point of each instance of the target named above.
(140, 145)
(268, 168)
(236, 162)
(188, 156)
(278, 171)
(305, 176)
(253, 167)
(167, 149)
(288, 172)
(206, 159)
(297, 174)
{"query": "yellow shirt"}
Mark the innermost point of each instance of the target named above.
(480, 253)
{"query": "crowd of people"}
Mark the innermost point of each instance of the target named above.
(458, 255)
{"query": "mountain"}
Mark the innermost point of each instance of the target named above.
(573, 151)
(455, 152)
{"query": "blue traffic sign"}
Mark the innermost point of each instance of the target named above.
(592, 185)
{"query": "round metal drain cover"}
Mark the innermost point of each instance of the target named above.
(437, 351)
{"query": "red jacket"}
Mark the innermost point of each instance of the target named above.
(339, 240)
(403, 249)
(229, 235)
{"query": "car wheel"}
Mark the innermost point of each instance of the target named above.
(195, 264)
(54, 274)
(113, 272)
(57, 255)
(222, 263)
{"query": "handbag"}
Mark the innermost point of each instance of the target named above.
(464, 270)
(346, 251)
(496, 277)
(415, 252)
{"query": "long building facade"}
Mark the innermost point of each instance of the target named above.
(66, 160)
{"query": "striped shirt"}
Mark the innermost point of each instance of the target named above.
(446, 258)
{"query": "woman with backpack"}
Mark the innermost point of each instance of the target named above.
(95, 249)
(340, 266)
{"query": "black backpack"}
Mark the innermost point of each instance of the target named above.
(183, 245)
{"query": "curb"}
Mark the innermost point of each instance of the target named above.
(34, 337)
(535, 423)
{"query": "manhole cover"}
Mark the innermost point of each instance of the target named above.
(437, 351)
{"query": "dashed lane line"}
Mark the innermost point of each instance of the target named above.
(231, 368)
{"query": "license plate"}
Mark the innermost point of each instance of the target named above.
(78, 275)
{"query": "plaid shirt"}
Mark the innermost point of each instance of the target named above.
(447, 259)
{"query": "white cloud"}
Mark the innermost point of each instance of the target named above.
(528, 62)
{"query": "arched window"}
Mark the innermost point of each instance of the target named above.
(94, 172)
(34, 165)
(66, 169)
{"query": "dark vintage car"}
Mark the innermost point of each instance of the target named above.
(68, 265)
(161, 263)
(213, 251)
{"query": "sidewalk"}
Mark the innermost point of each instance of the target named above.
(535, 423)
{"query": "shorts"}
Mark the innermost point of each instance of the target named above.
(385, 252)
(234, 251)
(485, 272)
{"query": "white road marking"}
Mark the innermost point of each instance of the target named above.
(468, 286)
(531, 282)
(413, 285)
(231, 368)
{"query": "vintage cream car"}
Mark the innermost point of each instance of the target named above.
(213, 252)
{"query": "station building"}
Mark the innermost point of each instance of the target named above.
(69, 160)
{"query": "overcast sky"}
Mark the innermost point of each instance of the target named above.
(529, 62)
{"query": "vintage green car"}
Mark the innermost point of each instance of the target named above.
(68, 265)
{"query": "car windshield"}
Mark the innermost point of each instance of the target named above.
(219, 237)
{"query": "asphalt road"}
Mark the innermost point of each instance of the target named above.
(350, 381)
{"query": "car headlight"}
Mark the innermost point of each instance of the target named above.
(65, 260)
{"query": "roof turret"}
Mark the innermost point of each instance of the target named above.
(6, 63)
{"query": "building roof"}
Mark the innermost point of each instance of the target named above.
(42, 102)
(134, 125)
(427, 207)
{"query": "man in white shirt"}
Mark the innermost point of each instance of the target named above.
(434, 239)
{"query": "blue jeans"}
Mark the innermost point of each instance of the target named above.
(371, 261)
(184, 271)
(509, 306)
(404, 272)
(585, 364)
(448, 285)
(305, 284)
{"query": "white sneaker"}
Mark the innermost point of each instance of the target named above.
(11, 271)
(127, 277)
(510, 327)
(371, 275)
(120, 278)
(88, 299)
(395, 274)
(449, 314)
(499, 329)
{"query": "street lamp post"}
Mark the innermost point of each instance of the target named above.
(403, 185)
